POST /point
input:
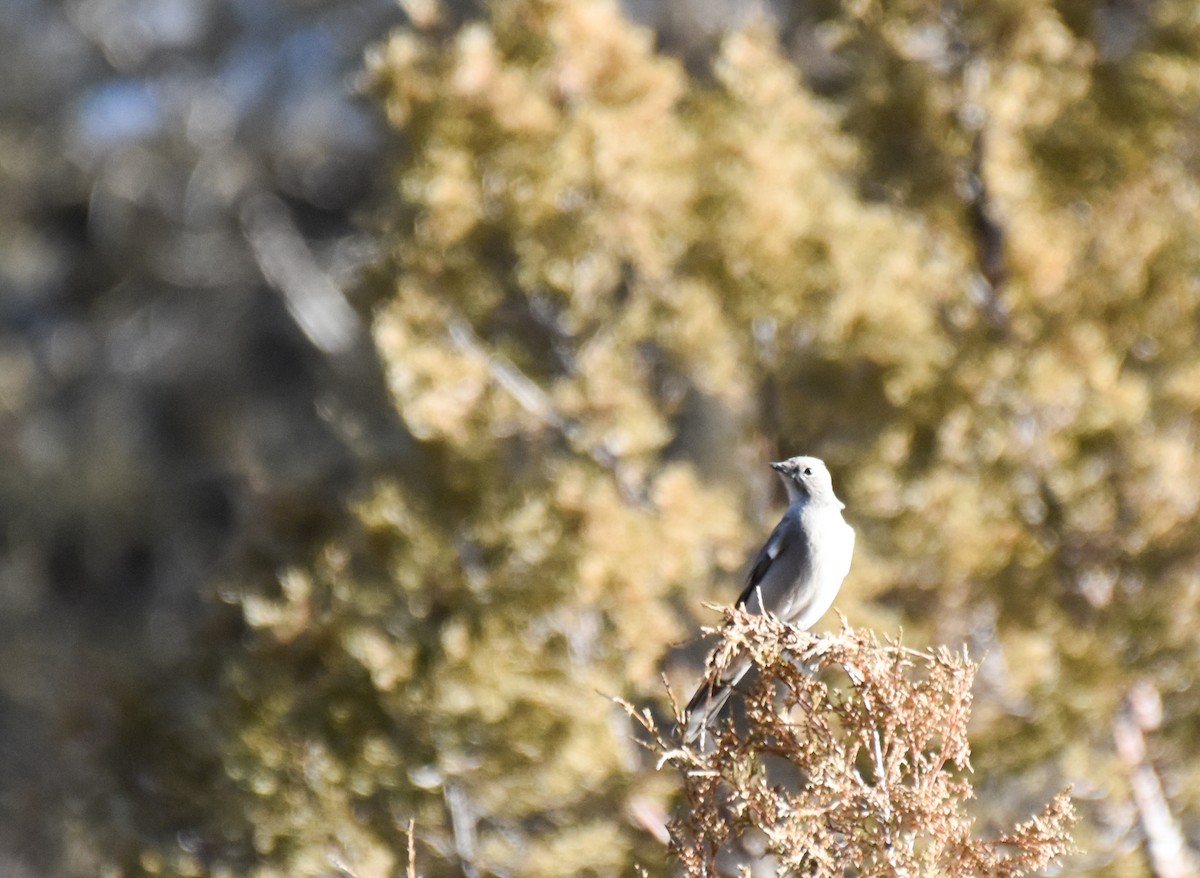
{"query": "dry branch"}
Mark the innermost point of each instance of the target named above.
(853, 760)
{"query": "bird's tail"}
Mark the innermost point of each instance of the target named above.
(710, 701)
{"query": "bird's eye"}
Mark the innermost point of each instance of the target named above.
(808, 470)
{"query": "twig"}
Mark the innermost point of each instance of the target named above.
(462, 823)
(312, 298)
(1166, 847)
(535, 401)
(411, 872)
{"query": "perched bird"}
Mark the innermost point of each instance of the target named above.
(795, 577)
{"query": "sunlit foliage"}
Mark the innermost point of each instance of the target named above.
(853, 760)
(958, 261)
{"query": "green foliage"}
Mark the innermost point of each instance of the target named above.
(611, 290)
(590, 244)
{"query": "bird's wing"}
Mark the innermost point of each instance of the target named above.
(768, 587)
(785, 535)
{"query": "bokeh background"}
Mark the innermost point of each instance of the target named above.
(383, 386)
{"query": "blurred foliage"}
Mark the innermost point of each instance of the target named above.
(950, 250)
(965, 272)
(163, 418)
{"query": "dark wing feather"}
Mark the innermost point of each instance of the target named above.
(709, 701)
(780, 538)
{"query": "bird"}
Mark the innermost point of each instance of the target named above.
(795, 576)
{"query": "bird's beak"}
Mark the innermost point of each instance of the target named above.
(779, 467)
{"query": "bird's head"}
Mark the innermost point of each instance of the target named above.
(807, 478)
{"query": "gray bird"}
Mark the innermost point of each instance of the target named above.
(795, 577)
